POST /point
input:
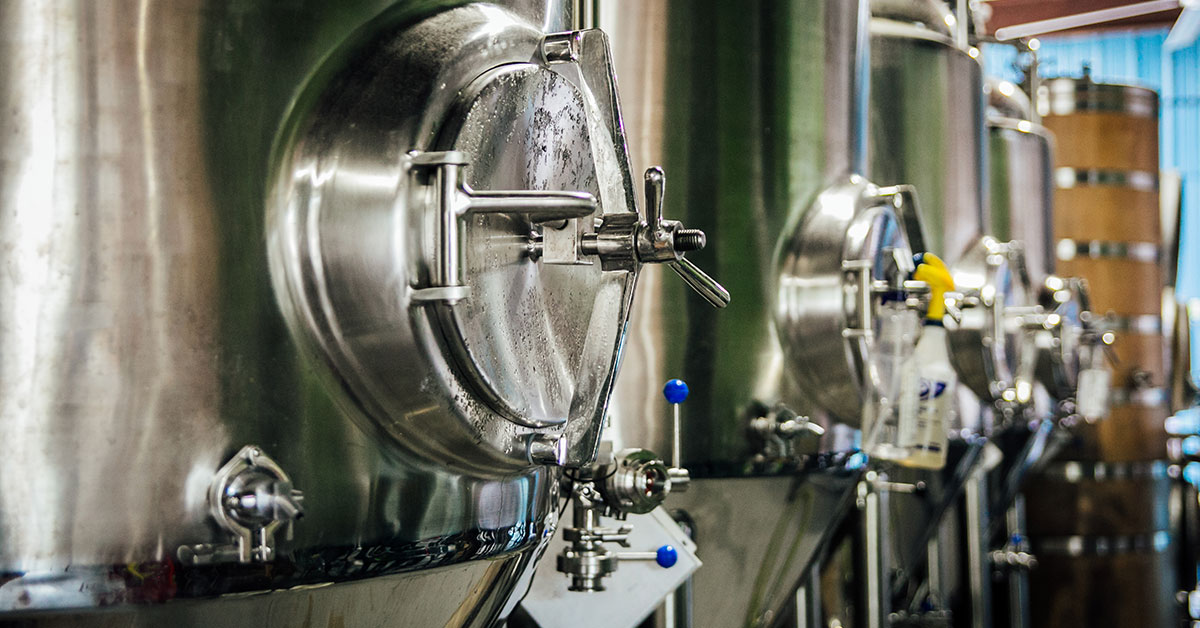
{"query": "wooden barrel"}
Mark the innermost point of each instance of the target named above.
(1134, 431)
(1098, 515)
(1106, 213)
(1102, 536)
(1106, 222)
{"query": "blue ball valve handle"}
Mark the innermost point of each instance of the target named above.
(675, 391)
(667, 556)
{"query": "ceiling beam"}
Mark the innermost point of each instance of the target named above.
(1013, 12)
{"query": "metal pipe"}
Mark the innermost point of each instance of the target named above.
(676, 439)
(449, 263)
(1018, 579)
(808, 600)
(873, 502)
(978, 558)
(962, 32)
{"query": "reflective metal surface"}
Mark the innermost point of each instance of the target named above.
(631, 593)
(142, 345)
(850, 241)
(480, 591)
(927, 121)
(1065, 347)
(757, 536)
(991, 347)
(1020, 186)
(522, 348)
(746, 162)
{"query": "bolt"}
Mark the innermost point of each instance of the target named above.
(689, 240)
(546, 449)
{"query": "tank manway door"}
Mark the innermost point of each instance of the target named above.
(844, 262)
(454, 236)
(993, 340)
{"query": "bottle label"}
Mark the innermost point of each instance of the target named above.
(925, 430)
(1091, 397)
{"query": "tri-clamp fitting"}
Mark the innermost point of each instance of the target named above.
(780, 430)
(586, 559)
(251, 498)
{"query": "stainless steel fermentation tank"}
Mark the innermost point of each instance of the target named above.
(1020, 183)
(757, 111)
(926, 122)
(927, 129)
(1021, 190)
(366, 262)
(753, 110)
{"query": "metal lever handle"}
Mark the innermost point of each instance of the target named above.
(1105, 340)
(952, 307)
(624, 241)
(676, 392)
(666, 241)
(538, 206)
(698, 280)
(655, 181)
(1033, 317)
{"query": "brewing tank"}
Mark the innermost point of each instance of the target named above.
(1020, 183)
(927, 120)
(753, 109)
(744, 161)
(260, 329)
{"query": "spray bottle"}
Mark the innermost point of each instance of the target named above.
(887, 384)
(924, 432)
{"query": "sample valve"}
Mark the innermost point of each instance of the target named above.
(634, 481)
(623, 241)
(779, 432)
(253, 499)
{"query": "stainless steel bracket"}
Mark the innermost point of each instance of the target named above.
(454, 200)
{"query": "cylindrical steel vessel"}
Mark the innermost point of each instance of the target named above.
(927, 128)
(1099, 516)
(148, 335)
(752, 108)
(927, 120)
(1020, 187)
(743, 162)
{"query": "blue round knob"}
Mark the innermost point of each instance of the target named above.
(675, 391)
(666, 556)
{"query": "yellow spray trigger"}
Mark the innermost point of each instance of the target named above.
(932, 270)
